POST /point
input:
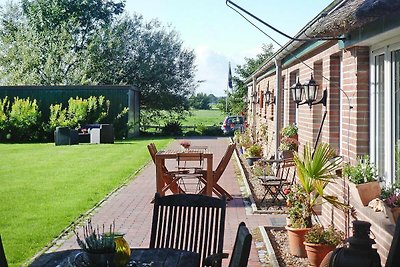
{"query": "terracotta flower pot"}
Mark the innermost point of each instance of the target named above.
(392, 213)
(316, 253)
(368, 191)
(296, 241)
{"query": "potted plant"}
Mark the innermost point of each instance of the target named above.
(253, 153)
(245, 140)
(363, 179)
(319, 241)
(290, 131)
(391, 199)
(314, 171)
(287, 146)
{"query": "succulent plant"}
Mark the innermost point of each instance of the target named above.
(95, 241)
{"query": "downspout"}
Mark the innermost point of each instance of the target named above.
(278, 107)
(253, 109)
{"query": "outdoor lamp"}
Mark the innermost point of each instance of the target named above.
(254, 97)
(297, 92)
(310, 91)
(268, 97)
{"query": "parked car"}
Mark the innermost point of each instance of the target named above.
(233, 123)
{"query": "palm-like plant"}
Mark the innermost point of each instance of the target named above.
(315, 171)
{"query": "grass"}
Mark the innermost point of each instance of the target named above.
(205, 117)
(45, 187)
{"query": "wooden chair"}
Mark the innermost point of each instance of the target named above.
(217, 189)
(168, 176)
(189, 222)
(240, 253)
(284, 178)
(3, 260)
(190, 165)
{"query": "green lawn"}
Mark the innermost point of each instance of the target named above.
(46, 187)
(205, 117)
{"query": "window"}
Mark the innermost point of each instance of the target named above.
(385, 111)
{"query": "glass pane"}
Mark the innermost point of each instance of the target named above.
(396, 87)
(380, 114)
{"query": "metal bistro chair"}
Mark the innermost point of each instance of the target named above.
(241, 250)
(189, 222)
(284, 178)
(3, 260)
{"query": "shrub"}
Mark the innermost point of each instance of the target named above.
(212, 131)
(254, 150)
(173, 128)
(24, 120)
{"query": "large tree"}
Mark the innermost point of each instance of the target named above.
(66, 42)
(236, 103)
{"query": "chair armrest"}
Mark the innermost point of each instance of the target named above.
(213, 259)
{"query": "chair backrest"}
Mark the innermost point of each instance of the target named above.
(3, 260)
(224, 161)
(241, 249)
(287, 171)
(190, 159)
(189, 222)
(153, 151)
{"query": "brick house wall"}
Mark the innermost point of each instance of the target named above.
(345, 76)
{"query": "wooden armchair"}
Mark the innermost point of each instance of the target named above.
(240, 253)
(189, 222)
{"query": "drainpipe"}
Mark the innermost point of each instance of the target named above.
(278, 107)
(253, 109)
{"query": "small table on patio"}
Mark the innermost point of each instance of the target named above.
(161, 156)
(140, 257)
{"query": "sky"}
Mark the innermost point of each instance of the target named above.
(219, 35)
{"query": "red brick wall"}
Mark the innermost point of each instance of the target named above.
(355, 123)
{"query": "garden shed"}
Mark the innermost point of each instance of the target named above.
(120, 97)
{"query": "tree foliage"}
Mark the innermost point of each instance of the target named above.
(200, 101)
(236, 103)
(69, 42)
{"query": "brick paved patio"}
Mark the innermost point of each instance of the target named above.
(131, 208)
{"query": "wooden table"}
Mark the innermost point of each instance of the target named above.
(161, 156)
(140, 257)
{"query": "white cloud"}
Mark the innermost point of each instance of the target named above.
(212, 68)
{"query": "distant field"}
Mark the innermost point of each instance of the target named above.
(205, 117)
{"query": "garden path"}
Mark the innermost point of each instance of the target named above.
(131, 206)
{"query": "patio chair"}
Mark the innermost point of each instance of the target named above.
(3, 260)
(240, 253)
(189, 222)
(190, 165)
(283, 178)
(217, 189)
(168, 176)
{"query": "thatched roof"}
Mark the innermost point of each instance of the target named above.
(353, 14)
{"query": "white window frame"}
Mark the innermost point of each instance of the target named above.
(384, 48)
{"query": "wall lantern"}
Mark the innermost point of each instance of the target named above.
(310, 91)
(269, 98)
(255, 99)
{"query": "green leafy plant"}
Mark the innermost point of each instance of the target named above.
(391, 195)
(363, 171)
(24, 120)
(327, 236)
(261, 168)
(314, 171)
(289, 130)
(245, 139)
(254, 151)
(95, 241)
(173, 128)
